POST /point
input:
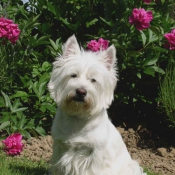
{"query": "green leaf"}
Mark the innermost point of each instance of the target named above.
(92, 22)
(34, 87)
(40, 130)
(25, 133)
(5, 117)
(44, 78)
(106, 22)
(160, 49)
(15, 105)
(159, 70)
(42, 89)
(134, 99)
(152, 69)
(71, 26)
(2, 102)
(139, 75)
(149, 71)
(50, 107)
(19, 109)
(22, 121)
(20, 94)
(7, 100)
(42, 109)
(24, 80)
(14, 128)
(152, 36)
(57, 41)
(53, 44)
(40, 43)
(156, 30)
(43, 38)
(143, 38)
(4, 125)
(31, 23)
(14, 119)
(149, 62)
(30, 124)
(46, 65)
(52, 8)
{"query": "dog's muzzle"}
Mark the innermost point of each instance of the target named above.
(80, 95)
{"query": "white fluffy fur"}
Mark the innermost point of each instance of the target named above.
(85, 141)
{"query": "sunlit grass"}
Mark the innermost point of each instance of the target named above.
(149, 173)
(20, 166)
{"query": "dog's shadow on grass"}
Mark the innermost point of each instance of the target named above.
(26, 170)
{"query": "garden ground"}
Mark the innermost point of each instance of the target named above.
(140, 143)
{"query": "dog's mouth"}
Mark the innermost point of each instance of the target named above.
(77, 103)
(78, 99)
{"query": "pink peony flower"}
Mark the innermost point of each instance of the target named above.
(103, 43)
(95, 46)
(13, 145)
(9, 30)
(147, 1)
(171, 39)
(140, 18)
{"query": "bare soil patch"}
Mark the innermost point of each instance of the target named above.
(139, 142)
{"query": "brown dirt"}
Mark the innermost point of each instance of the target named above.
(139, 143)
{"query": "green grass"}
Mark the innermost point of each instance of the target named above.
(23, 166)
(149, 173)
(20, 166)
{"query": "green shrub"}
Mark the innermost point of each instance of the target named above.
(167, 93)
(33, 94)
(25, 67)
(141, 54)
(25, 104)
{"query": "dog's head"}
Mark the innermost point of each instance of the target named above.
(83, 82)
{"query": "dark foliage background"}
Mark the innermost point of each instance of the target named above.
(25, 105)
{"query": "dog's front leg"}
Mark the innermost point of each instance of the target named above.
(58, 149)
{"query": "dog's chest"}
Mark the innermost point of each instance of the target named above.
(82, 158)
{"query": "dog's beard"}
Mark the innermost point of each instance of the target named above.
(79, 107)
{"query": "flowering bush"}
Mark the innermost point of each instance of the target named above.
(13, 145)
(9, 30)
(95, 46)
(171, 39)
(141, 55)
(24, 72)
(140, 18)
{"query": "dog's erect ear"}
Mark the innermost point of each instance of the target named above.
(109, 57)
(71, 47)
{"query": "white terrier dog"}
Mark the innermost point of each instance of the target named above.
(85, 141)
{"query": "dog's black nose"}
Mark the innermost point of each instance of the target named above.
(81, 92)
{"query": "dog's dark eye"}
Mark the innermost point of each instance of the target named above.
(93, 80)
(74, 75)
